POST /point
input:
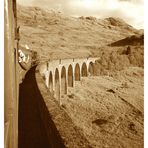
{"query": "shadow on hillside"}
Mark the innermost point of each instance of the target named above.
(32, 133)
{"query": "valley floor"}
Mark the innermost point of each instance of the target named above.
(109, 109)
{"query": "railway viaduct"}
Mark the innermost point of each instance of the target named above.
(32, 116)
(61, 74)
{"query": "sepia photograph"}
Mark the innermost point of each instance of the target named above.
(74, 73)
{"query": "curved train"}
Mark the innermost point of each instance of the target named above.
(18, 61)
(27, 58)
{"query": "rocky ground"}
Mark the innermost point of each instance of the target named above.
(107, 108)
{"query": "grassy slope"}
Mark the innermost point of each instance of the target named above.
(57, 36)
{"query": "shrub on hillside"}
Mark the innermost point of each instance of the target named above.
(116, 60)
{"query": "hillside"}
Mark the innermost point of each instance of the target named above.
(108, 107)
(55, 35)
(134, 40)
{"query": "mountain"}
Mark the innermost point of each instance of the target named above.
(55, 35)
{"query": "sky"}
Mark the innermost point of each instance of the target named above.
(131, 11)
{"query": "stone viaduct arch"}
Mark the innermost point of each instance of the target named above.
(50, 85)
(57, 84)
(77, 72)
(84, 70)
(63, 81)
(70, 76)
(61, 74)
(91, 69)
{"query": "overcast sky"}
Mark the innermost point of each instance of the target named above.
(132, 11)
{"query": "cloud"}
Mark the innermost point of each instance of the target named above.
(129, 10)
